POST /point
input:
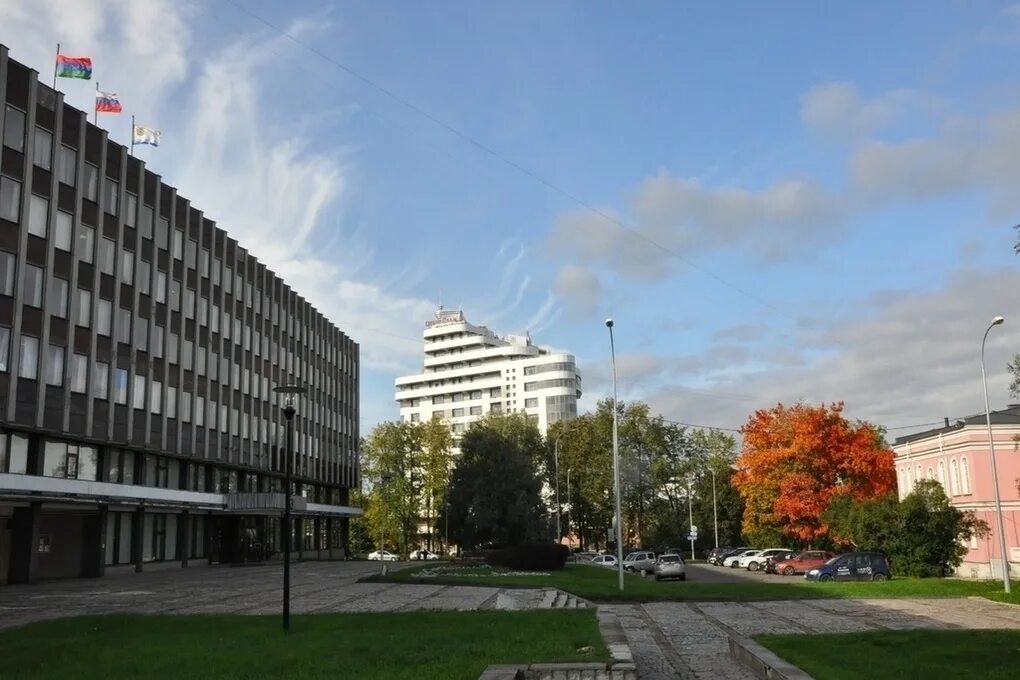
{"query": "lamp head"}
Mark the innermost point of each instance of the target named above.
(609, 323)
(997, 321)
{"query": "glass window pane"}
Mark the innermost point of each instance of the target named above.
(33, 285)
(17, 457)
(104, 313)
(111, 195)
(54, 459)
(107, 255)
(120, 386)
(130, 211)
(7, 267)
(67, 167)
(28, 364)
(156, 397)
(79, 373)
(127, 267)
(144, 274)
(90, 178)
(100, 380)
(139, 392)
(86, 240)
(5, 355)
(43, 148)
(171, 402)
(160, 286)
(178, 249)
(88, 460)
(62, 231)
(55, 365)
(142, 335)
(10, 199)
(38, 214)
(124, 325)
(84, 308)
(14, 129)
(56, 299)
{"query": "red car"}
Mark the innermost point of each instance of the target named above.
(803, 562)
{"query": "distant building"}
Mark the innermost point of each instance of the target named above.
(139, 349)
(957, 456)
(470, 371)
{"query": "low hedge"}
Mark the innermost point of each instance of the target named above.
(530, 557)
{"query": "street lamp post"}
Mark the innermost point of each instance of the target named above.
(616, 460)
(690, 516)
(991, 450)
(570, 508)
(291, 393)
(556, 458)
(715, 511)
(384, 479)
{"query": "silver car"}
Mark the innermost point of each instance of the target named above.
(670, 566)
(642, 560)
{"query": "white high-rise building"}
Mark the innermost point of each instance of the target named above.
(470, 371)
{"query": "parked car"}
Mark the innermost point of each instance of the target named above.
(639, 560)
(855, 566)
(756, 562)
(734, 561)
(670, 565)
(383, 556)
(772, 560)
(604, 561)
(424, 555)
(732, 552)
(715, 554)
(803, 562)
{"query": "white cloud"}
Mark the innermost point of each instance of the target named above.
(837, 109)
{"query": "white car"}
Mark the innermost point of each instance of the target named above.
(733, 561)
(423, 555)
(604, 561)
(383, 556)
(756, 562)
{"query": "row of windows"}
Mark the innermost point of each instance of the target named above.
(546, 384)
(545, 368)
(959, 476)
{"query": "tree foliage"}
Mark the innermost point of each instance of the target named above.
(795, 459)
(1014, 370)
(923, 535)
(495, 494)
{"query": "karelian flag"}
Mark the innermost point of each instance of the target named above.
(144, 135)
(107, 102)
(74, 67)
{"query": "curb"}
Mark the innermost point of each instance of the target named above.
(764, 663)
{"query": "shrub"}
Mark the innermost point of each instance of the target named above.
(530, 557)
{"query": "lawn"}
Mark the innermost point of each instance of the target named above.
(419, 645)
(878, 655)
(600, 585)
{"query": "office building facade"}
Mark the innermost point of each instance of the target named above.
(139, 349)
(470, 371)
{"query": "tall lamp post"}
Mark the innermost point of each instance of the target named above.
(616, 460)
(997, 321)
(570, 508)
(384, 480)
(715, 510)
(290, 392)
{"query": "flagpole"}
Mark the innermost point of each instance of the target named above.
(132, 135)
(95, 104)
(55, 60)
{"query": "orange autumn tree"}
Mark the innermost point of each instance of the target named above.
(795, 459)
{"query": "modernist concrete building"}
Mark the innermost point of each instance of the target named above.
(139, 349)
(470, 371)
(957, 455)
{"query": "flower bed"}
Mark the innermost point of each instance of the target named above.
(473, 571)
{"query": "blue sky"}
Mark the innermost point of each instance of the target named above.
(775, 202)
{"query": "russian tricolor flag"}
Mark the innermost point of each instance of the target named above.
(107, 102)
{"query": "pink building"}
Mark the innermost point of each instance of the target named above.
(957, 456)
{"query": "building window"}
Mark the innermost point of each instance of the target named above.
(127, 267)
(56, 298)
(69, 461)
(14, 129)
(199, 411)
(62, 231)
(33, 285)
(111, 192)
(160, 286)
(178, 244)
(531, 402)
(5, 352)
(84, 308)
(120, 386)
(476, 410)
(141, 335)
(124, 325)
(131, 210)
(144, 272)
(139, 392)
(55, 366)
(66, 166)
(954, 478)
(171, 402)
(186, 407)
(43, 149)
(415, 417)
(107, 256)
(90, 177)
(7, 267)
(86, 239)
(156, 397)
(104, 313)
(964, 477)
(38, 215)
(10, 199)
(100, 380)
(79, 373)
(156, 342)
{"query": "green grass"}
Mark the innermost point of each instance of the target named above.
(418, 645)
(881, 655)
(600, 585)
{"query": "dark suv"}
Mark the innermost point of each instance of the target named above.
(855, 566)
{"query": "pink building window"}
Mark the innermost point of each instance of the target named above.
(954, 478)
(964, 477)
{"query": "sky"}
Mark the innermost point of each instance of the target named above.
(776, 202)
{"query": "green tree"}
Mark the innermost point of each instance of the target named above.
(436, 468)
(923, 535)
(393, 456)
(495, 493)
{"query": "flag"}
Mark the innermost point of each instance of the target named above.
(144, 135)
(107, 102)
(74, 67)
